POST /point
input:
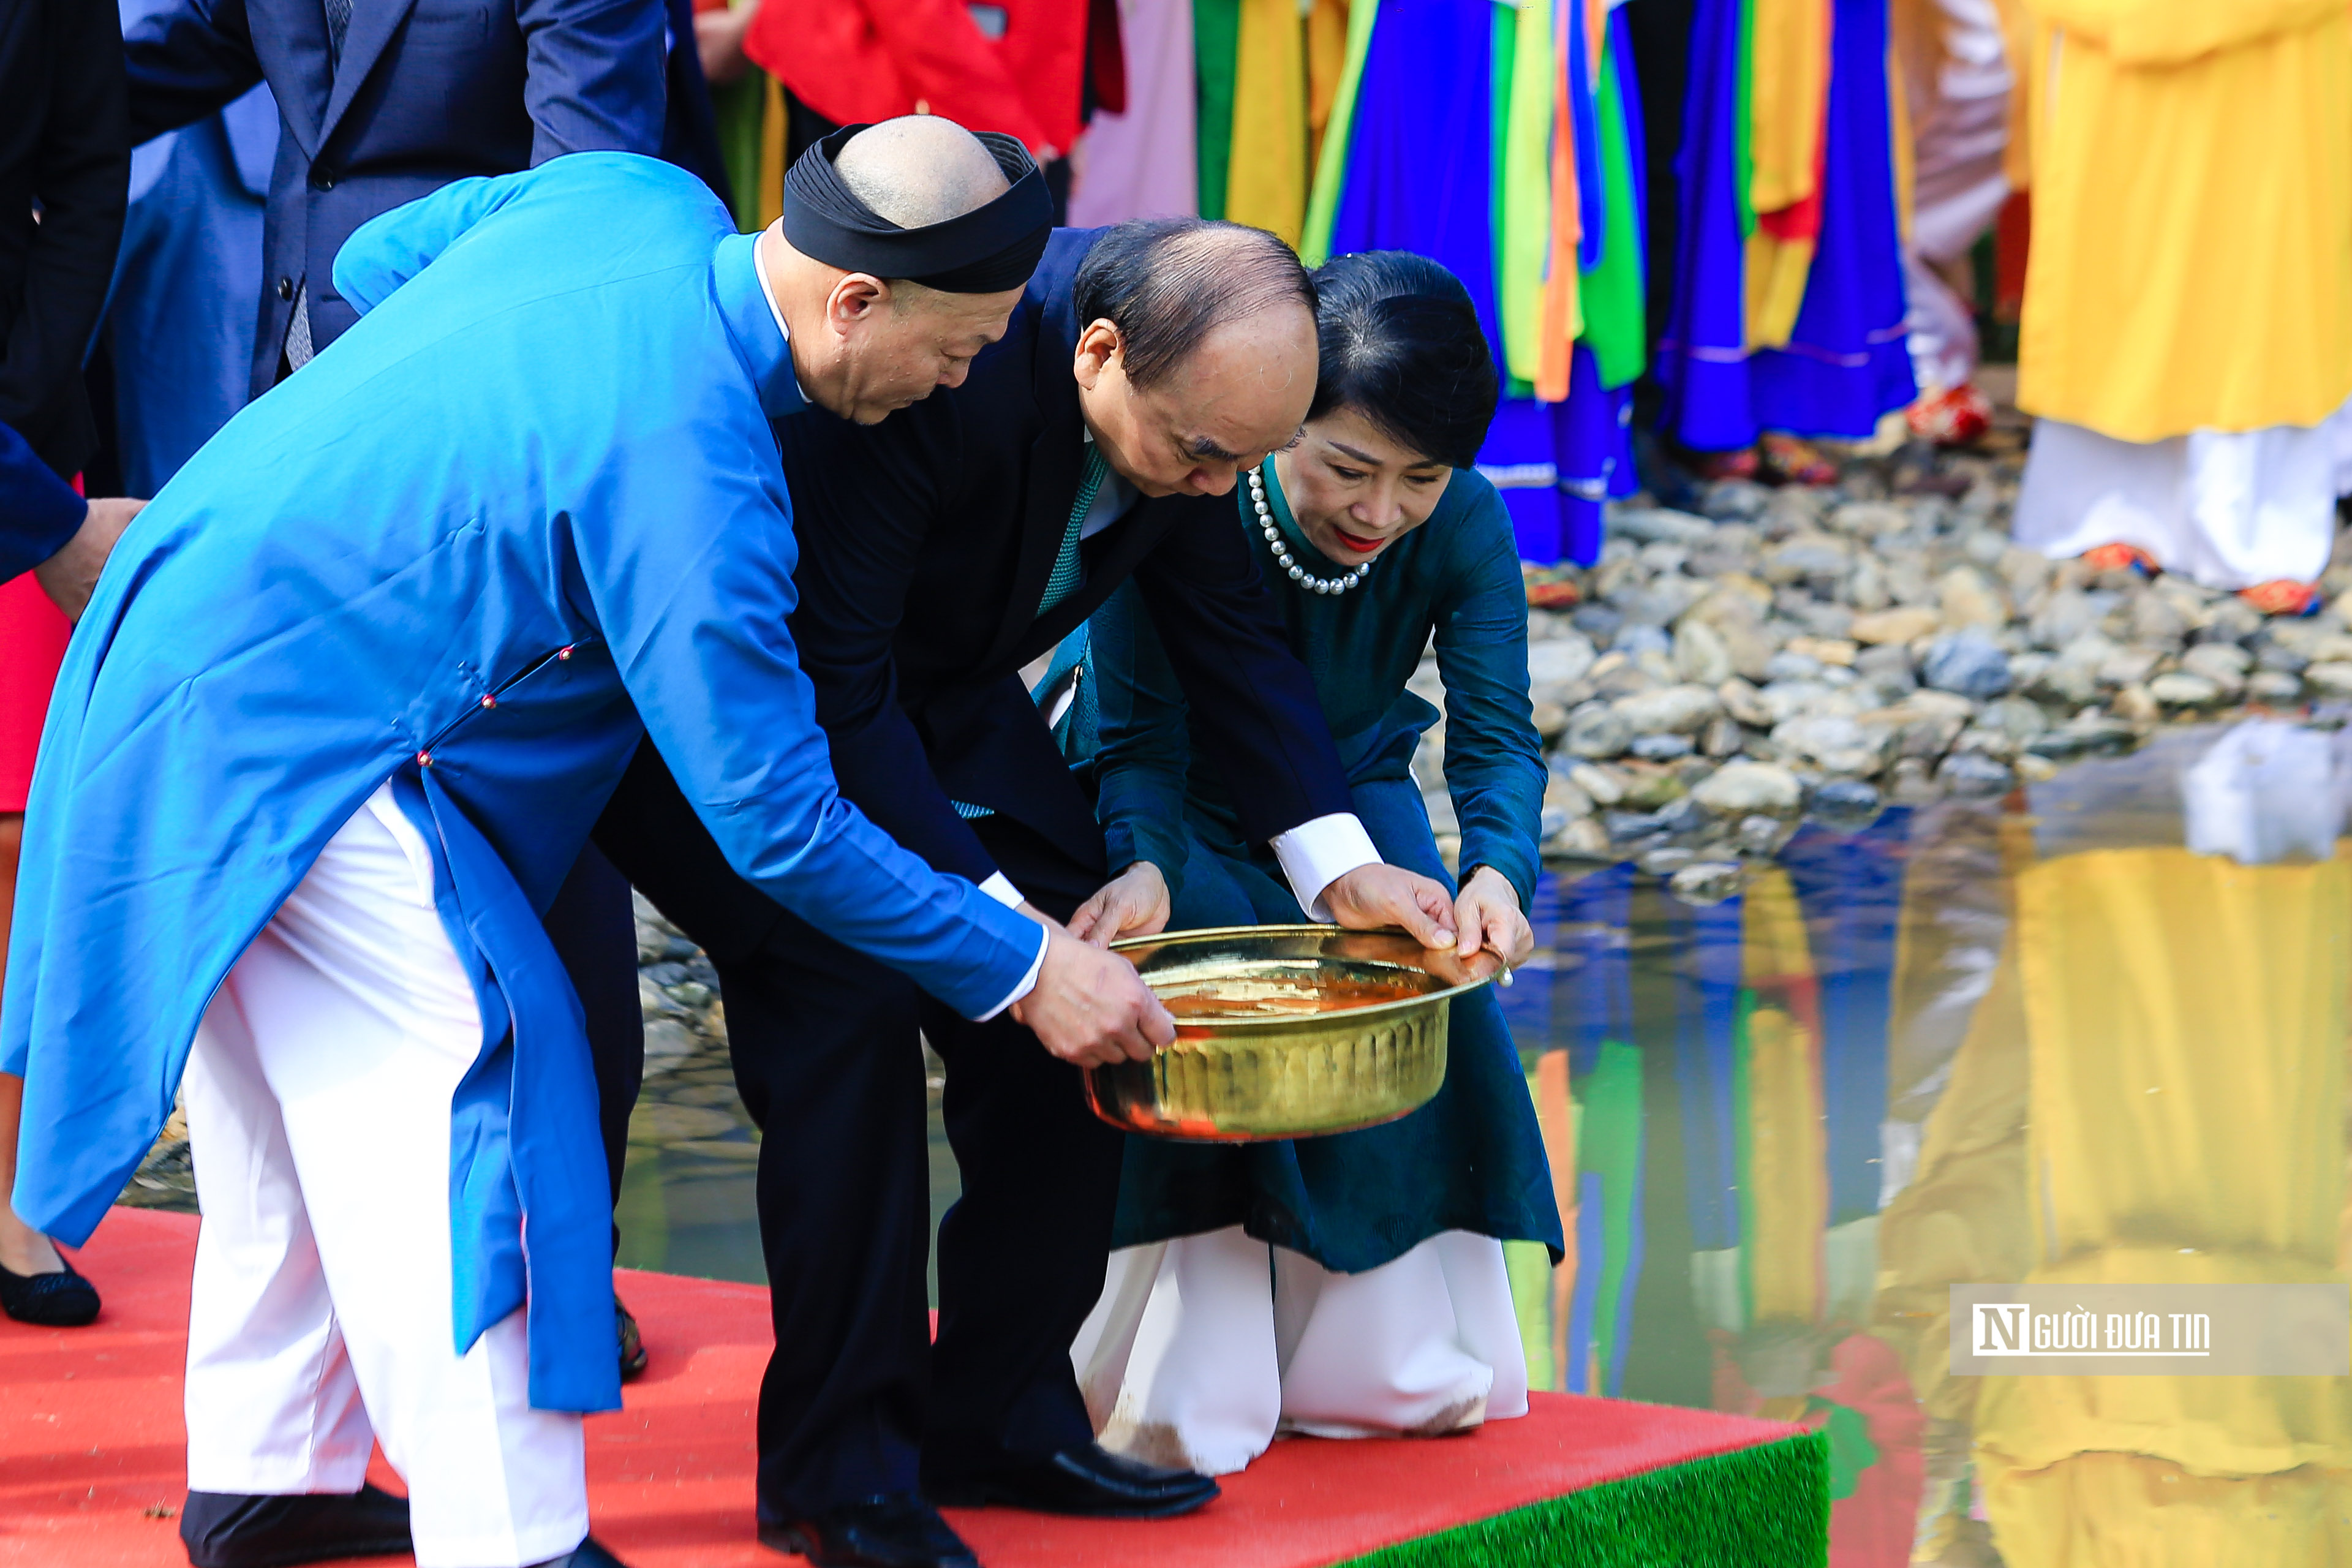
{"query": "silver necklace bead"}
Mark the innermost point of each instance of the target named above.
(1282, 557)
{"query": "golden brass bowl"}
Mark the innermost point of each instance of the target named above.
(1286, 1032)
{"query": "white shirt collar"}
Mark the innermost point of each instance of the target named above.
(768, 289)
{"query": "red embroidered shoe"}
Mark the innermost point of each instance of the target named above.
(2121, 558)
(2282, 596)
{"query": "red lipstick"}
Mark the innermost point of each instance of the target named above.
(1360, 546)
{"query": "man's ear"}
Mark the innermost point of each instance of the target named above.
(1098, 346)
(857, 297)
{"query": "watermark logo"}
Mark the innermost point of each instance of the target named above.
(2296, 1330)
(2015, 1329)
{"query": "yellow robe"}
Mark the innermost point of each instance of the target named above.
(2185, 1021)
(2192, 263)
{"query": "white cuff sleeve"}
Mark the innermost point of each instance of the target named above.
(1314, 855)
(1000, 887)
(1028, 981)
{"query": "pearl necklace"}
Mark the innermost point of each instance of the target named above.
(1297, 574)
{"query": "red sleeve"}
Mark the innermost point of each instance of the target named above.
(853, 62)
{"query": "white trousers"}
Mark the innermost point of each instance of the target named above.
(317, 1102)
(1202, 1348)
(2229, 508)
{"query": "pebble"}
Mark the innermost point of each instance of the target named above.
(1974, 774)
(1704, 882)
(2331, 678)
(1744, 789)
(1848, 800)
(1597, 731)
(2178, 688)
(1968, 662)
(1681, 710)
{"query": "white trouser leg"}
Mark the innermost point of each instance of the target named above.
(1197, 1386)
(319, 1116)
(1385, 1350)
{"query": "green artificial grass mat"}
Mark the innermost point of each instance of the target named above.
(1766, 1507)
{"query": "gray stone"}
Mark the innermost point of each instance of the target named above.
(1763, 834)
(1736, 498)
(1597, 732)
(1705, 882)
(1845, 800)
(1721, 738)
(1746, 789)
(1640, 637)
(1625, 827)
(1747, 704)
(2129, 665)
(2016, 718)
(1888, 667)
(2178, 688)
(2275, 687)
(1700, 653)
(1968, 662)
(1601, 784)
(1974, 774)
(1599, 622)
(1649, 525)
(1681, 710)
(2330, 677)
(2157, 620)
(1833, 743)
(2225, 664)
(1559, 658)
(1661, 748)
(1790, 665)
(1968, 600)
(1666, 861)
(1809, 557)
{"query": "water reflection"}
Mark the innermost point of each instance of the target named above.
(2030, 1037)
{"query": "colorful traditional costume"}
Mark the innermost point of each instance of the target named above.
(2187, 331)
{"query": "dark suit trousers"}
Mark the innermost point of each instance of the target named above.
(828, 1059)
(595, 935)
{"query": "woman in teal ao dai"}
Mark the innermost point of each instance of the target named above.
(1350, 1285)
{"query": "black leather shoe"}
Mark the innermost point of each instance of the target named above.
(632, 1344)
(228, 1529)
(589, 1554)
(902, 1532)
(1086, 1480)
(64, 1301)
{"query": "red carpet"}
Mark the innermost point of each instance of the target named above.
(91, 1446)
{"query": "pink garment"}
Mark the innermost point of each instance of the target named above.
(1141, 164)
(33, 636)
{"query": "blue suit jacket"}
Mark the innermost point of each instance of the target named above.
(926, 544)
(427, 91)
(38, 512)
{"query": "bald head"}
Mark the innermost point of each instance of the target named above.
(919, 170)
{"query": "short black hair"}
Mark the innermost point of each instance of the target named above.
(1398, 341)
(1167, 283)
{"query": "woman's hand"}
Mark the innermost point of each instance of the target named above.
(1487, 915)
(1133, 903)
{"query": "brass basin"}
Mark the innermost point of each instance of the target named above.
(1286, 1032)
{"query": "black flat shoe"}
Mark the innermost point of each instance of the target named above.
(589, 1554)
(64, 1301)
(1086, 1481)
(902, 1532)
(229, 1530)
(632, 1344)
